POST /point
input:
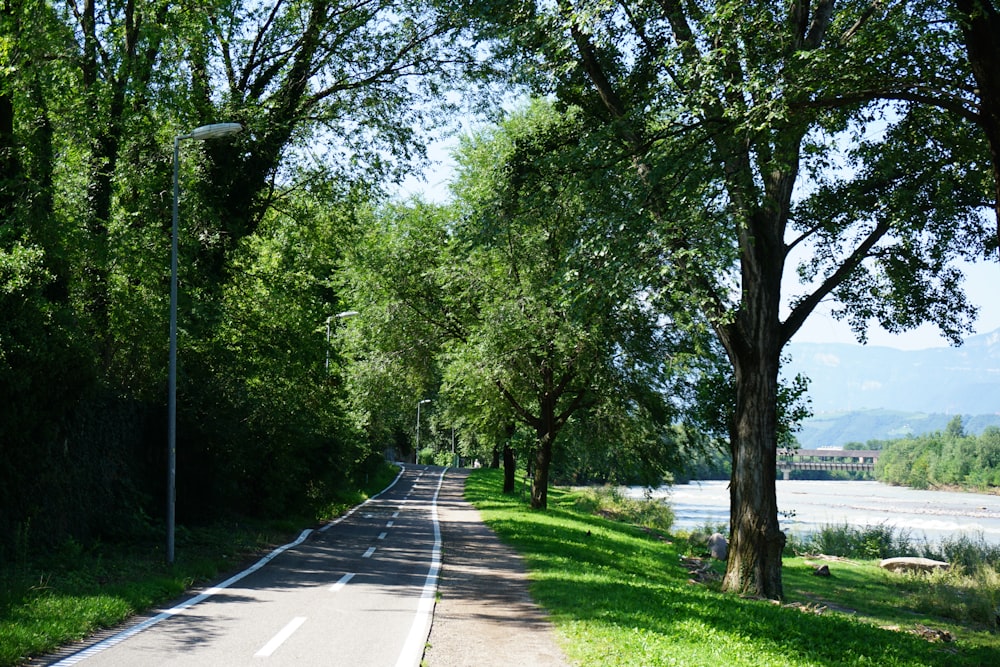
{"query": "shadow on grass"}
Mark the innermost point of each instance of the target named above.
(622, 597)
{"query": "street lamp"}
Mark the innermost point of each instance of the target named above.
(201, 134)
(417, 452)
(346, 313)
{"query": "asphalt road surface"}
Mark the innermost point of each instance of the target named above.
(357, 592)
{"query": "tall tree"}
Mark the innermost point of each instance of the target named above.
(561, 324)
(539, 314)
(759, 128)
(10, 31)
(117, 54)
(979, 21)
(394, 344)
(338, 83)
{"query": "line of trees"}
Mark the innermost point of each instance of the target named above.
(947, 458)
(758, 129)
(524, 299)
(613, 263)
(331, 97)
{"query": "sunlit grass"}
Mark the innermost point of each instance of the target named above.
(968, 592)
(619, 595)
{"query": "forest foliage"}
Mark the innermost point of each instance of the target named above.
(331, 100)
(605, 294)
(948, 458)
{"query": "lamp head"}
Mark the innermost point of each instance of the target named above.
(213, 131)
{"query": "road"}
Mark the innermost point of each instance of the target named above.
(359, 591)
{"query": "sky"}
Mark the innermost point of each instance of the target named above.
(982, 286)
(982, 279)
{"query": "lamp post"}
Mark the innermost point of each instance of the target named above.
(346, 313)
(454, 460)
(417, 452)
(201, 134)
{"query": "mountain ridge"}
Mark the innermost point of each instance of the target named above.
(879, 392)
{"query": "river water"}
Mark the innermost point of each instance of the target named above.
(806, 506)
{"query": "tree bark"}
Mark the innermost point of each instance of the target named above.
(540, 482)
(509, 462)
(509, 469)
(545, 433)
(981, 30)
(753, 342)
(756, 541)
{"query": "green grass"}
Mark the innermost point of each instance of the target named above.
(52, 600)
(64, 596)
(621, 596)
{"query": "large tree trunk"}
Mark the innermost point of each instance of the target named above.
(753, 343)
(545, 432)
(756, 542)
(509, 462)
(540, 483)
(509, 469)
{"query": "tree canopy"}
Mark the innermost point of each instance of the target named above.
(91, 94)
(525, 286)
(690, 160)
(759, 128)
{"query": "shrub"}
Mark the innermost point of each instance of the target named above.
(868, 542)
(610, 502)
(966, 551)
(964, 594)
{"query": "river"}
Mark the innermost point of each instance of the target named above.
(806, 506)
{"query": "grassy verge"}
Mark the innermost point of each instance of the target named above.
(52, 600)
(620, 594)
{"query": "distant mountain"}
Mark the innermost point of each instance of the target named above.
(837, 429)
(890, 392)
(949, 380)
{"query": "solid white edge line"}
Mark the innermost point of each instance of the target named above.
(150, 622)
(118, 638)
(402, 469)
(413, 649)
(280, 638)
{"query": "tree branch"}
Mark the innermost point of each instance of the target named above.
(528, 418)
(803, 309)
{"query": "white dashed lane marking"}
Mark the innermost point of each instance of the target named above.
(342, 582)
(281, 637)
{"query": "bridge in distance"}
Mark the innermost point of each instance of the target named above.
(862, 460)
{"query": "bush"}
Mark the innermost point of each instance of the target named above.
(609, 502)
(964, 594)
(869, 542)
(968, 552)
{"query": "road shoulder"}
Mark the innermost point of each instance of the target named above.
(484, 615)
